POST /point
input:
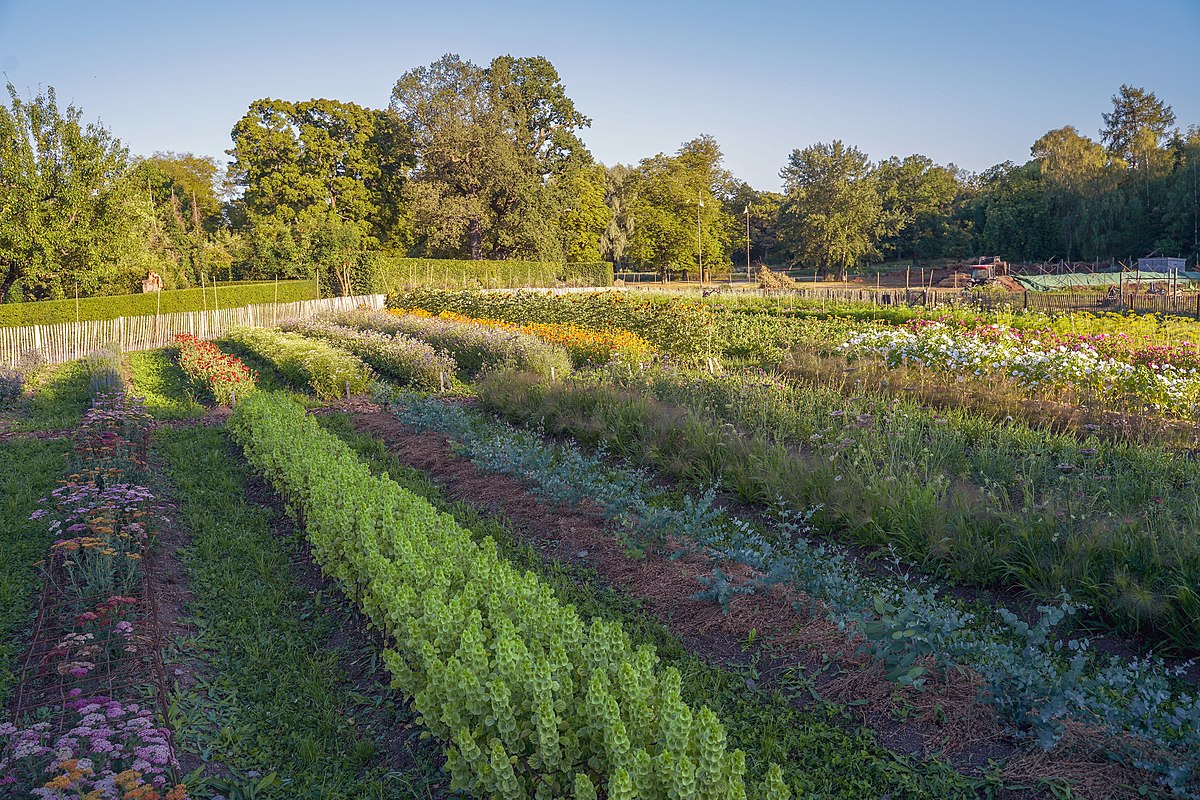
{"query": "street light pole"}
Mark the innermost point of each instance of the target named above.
(748, 278)
(699, 244)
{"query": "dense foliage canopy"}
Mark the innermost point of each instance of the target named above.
(486, 162)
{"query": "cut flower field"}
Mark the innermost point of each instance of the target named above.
(956, 603)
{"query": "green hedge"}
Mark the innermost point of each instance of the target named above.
(397, 274)
(231, 295)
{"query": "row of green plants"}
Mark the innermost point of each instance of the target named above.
(819, 752)
(329, 371)
(474, 347)
(1113, 524)
(1037, 682)
(398, 357)
(233, 295)
(287, 706)
(391, 274)
(532, 701)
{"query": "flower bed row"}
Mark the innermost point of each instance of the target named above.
(588, 348)
(531, 701)
(223, 376)
(401, 358)
(475, 347)
(93, 655)
(328, 370)
(680, 328)
(1036, 681)
(1043, 364)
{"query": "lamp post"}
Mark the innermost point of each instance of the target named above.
(699, 244)
(748, 277)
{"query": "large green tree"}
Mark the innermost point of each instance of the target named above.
(70, 216)
(311, 171)
(1137, 126)
(832, 214)
(497, 157)
(1071, 165)
(184, 190)
(915, 194)
(678, 210)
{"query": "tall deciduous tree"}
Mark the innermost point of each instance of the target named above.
(614, 240)
(832, 214)
(914, 193)
(310, 169)
(1137, 127)
(1070, 164)
(495, 147)
(70, 217)
(677, 208)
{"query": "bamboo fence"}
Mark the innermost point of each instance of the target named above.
(66, 341)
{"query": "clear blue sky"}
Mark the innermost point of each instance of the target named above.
(960, 81)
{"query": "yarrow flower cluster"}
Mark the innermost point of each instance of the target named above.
(223, 375)
(110, 750)
(1042, 362)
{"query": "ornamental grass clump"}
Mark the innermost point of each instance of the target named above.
(308, 363)
(531, 700)
(402, 358)
(224, 377)
(475, 348)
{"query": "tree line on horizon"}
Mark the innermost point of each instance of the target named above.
(475, 162)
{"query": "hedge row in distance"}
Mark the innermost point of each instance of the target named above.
(234, 295)
(397, 274)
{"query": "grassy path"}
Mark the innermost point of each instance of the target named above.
(29, 470)
(157, 378)
(276, 707)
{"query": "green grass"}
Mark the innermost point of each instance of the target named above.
(60, 399)
(275, 699)
(157, 378)
(821, 753)
(29, 470)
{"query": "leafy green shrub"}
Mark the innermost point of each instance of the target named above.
(532, 702)
(329, 371)
(234, 295)
(392, 274)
